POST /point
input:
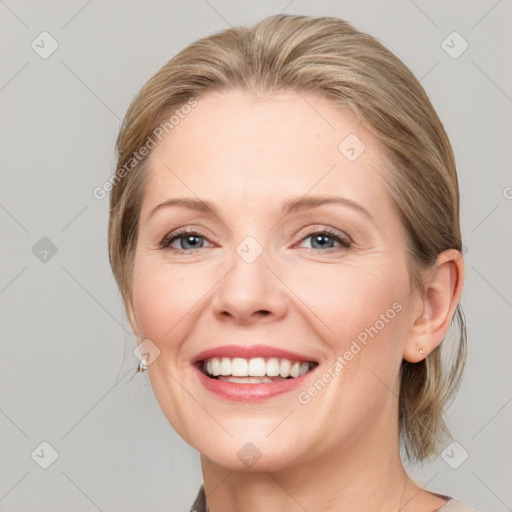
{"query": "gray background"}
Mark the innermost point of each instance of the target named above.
(67, 361)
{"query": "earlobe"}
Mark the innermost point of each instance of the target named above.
(439, 298)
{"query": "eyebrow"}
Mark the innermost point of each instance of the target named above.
(290, 206)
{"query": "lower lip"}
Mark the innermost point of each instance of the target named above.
(250, 392)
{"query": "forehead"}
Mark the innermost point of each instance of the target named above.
(235, 144)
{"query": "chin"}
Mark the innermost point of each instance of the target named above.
(250, 457)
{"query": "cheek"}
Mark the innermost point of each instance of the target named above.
(364, 323)
(160, 299)
(168, 301)
(352, 302)
(361, 317)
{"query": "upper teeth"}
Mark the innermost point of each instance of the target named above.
(256, 367)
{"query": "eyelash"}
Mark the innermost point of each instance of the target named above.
(166, 242)
(344, 242)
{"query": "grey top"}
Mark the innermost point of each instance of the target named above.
(452, 505)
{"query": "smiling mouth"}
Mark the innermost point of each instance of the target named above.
(255, 370)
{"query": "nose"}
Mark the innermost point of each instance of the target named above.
(249, 293)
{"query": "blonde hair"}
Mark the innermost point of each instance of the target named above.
(327, 56)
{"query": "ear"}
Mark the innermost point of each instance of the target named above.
(433, 313)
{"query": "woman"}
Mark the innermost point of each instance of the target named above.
(284, 229)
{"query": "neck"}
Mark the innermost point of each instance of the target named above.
(363, 476)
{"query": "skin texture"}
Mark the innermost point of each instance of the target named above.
(248, 155)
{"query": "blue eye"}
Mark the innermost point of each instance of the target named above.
(323, 240)
(188, 240)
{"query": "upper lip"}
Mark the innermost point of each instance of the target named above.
(249, 352)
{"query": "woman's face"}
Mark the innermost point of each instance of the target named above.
(260, 284)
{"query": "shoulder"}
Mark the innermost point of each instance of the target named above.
(199, 504)
(453, 505)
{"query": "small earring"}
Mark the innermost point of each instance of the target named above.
(421, 350)
(141, 368)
